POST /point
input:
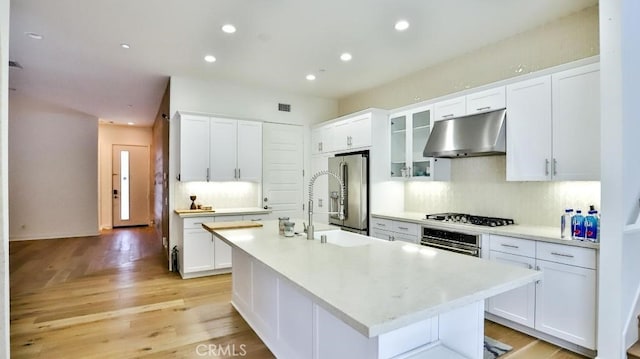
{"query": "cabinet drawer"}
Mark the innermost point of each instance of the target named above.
(384, 224)
(196, 222)
(406, 228)
(254, 217)
(232, 218)
(450, 108)
(488, 100)
(518, 246)
(576, 256)
(381, 234)
(411, 238)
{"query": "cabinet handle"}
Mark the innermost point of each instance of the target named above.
(207, 175)
(320, 202)
(530, 266)
(403, 228)
(446, 116)
(239, 173)
(381, 225)
(555, 167)
(562, 254)
(509, 245)
(256, 219)
(392, 238)
(319, 146)
(537, 268)
(235, 173)
(546, 166)
(483, 108)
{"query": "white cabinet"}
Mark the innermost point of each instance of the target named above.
(201, 253)
(236, 150)
(194, 147)
(454, 107)
(576, 124)
(391, 230)
(487, 100)
(320, 189)
(553, 130)
(409, 132)
(563, 303)
(344, 134)
(219, 149)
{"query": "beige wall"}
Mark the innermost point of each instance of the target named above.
(109, 135)
(53, 171)
(564, 40)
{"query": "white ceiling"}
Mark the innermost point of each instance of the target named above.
(80, 64)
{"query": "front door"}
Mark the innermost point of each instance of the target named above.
(282, 170)
(130, 185)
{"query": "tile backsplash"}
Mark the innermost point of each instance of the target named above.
(478, 186)
(217, 194)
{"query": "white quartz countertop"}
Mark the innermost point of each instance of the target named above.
(377, 286)
(538, 233)
(227, 212)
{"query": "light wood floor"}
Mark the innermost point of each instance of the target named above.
(111, 296)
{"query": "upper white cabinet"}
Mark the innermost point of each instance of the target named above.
(477, 102)
(576, 124)
(409, 131)
(194, 147)
(219, 149)
(345, 134)
(487, 100)
(454, 107)
(553, 127)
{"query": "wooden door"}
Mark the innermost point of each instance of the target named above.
(130, 181)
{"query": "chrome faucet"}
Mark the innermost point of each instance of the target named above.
(340, 212)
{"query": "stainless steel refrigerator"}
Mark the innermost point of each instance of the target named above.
(353, 169)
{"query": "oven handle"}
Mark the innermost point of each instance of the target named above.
(446, 240)
(453, 249)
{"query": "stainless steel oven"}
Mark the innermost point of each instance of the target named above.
(449, 240)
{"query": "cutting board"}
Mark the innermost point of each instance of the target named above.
(187, 211)
(231, 225)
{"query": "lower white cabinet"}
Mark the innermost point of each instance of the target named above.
(390, 230)
(563, 303)
(202, 253)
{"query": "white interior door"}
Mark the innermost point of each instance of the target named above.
(130, 185)
(282, 170)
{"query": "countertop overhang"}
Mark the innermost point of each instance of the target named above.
(380, 286)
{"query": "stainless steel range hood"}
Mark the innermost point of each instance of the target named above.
(474, 135)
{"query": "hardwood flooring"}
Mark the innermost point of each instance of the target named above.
(111, 296)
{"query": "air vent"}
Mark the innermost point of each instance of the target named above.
(15, 64)
(284, 107)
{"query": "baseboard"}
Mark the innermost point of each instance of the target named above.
(52, 236)
(546, 337)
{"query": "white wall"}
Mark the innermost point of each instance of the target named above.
(109, 135)
(53, 171)
(4, 172)
(619, 280)
(236, 101)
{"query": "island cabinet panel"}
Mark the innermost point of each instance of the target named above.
(295, 312)
(265, 305)
(241, 282)
(335, 339)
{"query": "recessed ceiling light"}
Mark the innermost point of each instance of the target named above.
(130, 123)
(402, 25)
(125, 46)
(33, 35)
(345, 57)
(210, 58)
(228, 28)
(311, 77)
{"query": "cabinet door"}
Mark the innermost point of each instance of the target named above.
(566, 303)
(576, 124)
(223, 149)
(317, 138)
(517, 305)
(398, 145)
(222, 254)
(250, 151)
(194, 148)
(450, 108)
(359, 131)
(340, 135)
(529, 130)
(380, 234)
(485, 101)
(198, 250)
(421, 167)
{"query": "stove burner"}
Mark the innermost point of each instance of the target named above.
(471, 219)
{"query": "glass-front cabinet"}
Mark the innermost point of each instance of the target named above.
(409, 131)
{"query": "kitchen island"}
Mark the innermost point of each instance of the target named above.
(360, 297)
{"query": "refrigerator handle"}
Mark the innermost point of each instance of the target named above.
(345, 179)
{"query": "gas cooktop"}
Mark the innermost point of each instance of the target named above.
(470, 219)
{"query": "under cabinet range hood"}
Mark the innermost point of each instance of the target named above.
(480, 134)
